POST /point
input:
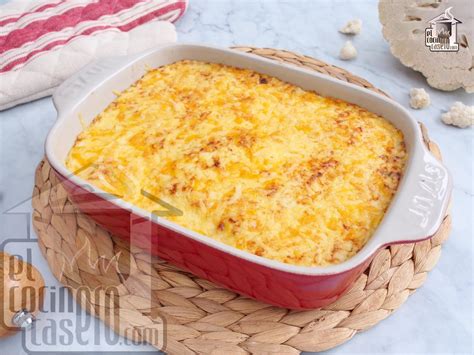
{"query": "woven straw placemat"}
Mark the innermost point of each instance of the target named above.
(199, 316)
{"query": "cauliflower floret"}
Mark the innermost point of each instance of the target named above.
(352, 27)
(348, 51)
(459, 115)
(419, 98)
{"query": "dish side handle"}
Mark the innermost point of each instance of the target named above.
(74, 89)
(426, 197)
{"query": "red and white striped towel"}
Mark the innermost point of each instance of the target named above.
(44, 42)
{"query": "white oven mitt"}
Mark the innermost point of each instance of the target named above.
(44, 42)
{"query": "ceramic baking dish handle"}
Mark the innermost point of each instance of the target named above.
(74, 89)
(425, 194)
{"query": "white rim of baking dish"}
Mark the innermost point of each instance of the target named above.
(416, 210)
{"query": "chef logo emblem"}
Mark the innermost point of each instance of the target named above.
(441, 36)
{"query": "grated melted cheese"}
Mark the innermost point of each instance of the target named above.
(249, 160)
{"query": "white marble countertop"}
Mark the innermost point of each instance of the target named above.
(436, 319)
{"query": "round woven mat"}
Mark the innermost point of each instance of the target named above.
(199, 316)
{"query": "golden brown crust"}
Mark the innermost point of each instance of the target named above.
(251, 161)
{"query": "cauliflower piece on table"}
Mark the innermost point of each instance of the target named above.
(419, 98)
(348, 51)
(352, 27)
(459, 115)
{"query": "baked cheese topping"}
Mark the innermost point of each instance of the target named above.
(246, 159)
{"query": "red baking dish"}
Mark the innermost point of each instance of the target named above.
(415, 213)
